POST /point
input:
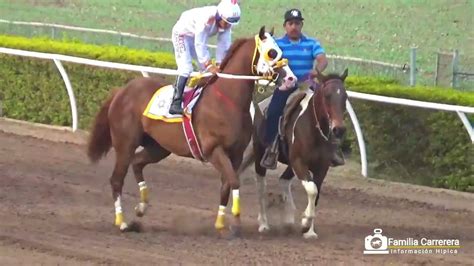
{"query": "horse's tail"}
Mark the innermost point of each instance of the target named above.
(100, 140)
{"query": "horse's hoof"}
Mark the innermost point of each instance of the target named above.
(236, 231)
(123, 227)
(305, 224)
(263, 228)
(305, 229)
(140, 209)
(310, 235)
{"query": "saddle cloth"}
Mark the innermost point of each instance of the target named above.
(159, 105)
(158, 109)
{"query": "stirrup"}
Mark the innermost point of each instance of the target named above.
(269, 160)
(176, 109)
(270, 157)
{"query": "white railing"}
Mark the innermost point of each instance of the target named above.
(81, 29)
(460, 110)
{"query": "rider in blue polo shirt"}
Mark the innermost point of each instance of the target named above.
(302, 53)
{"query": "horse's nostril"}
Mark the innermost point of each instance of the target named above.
(290, 78)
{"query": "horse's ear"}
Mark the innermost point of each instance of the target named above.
(344, 74)
(272, 31)
(261, 34)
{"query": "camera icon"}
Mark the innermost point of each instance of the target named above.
(376, 244)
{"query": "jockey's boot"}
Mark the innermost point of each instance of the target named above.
(175, 108)
(337, 155)
(274, 112)
(270, 157)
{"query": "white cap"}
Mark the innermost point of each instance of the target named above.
(229, 11)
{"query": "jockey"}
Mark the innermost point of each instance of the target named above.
(190, 37)
(302, 53)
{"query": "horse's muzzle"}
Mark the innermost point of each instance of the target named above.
(339, 132)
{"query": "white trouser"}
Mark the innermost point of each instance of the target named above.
(184, 53)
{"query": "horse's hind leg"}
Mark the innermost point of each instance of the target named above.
(122, 161)
(125, 133)
(152, 153)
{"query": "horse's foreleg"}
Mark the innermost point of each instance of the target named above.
(318, 178)
(223, 164)
(225, 193)
(285, 181)
(150, 154)
(302, 172)
(262, 214)
(307, 222)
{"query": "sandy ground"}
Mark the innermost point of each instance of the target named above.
(56, 209)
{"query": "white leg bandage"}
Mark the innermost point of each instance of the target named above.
(262, 214)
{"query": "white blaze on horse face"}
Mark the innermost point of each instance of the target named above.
(289, 81)
(268, 44)
(290, 207)
(262, 214)
(265, 66)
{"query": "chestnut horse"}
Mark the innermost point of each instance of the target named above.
(221, 121)
(311, 124)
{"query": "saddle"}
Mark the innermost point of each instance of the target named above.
(288, 113)
(158, 109)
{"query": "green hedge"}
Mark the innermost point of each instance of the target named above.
(105, 53)
(415, 145)
(412, 144)
(32, 89)
(422, 93)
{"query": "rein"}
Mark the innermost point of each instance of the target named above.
(318, 127)
(271, 76)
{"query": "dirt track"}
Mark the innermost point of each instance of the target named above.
(56, 208)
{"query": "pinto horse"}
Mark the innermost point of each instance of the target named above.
(221, 121)
(311, 124)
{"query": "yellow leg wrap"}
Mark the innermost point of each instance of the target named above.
(220, 218)
(220, 222)
(236, 206)
(118, 219)
(144, 195)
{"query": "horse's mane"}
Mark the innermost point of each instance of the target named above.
(233, 48)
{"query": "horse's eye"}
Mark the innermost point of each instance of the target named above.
(272, 53)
